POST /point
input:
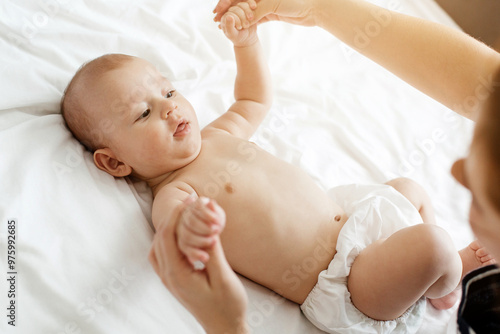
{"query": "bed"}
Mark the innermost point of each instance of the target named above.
(82, 237)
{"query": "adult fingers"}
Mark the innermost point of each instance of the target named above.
(171, 263)
(219, 212)
(218, 269)
(222, 7)
(153, 260)
(187, 239)
(201, 223)
(246, 10)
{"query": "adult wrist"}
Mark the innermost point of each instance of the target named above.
(316, 12)
(239, 326)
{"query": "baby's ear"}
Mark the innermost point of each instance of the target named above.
(105, 159)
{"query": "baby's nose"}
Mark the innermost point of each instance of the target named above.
(167, 110)
(165, 113)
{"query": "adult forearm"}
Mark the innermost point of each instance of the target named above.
(234, 329)
(444, 63)
(253, 79)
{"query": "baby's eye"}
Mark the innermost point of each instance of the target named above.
(170, 93)
(144, 114)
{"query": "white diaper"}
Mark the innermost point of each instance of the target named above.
(375, 212)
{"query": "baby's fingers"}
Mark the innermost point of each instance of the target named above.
(193, 246)
(230, 24)
(244, 14)
(202, 223)
(218, 212)
(188, 239)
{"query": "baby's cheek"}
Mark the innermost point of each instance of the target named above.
(153, 144)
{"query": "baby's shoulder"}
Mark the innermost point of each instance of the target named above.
(175, 185)
(175, 189)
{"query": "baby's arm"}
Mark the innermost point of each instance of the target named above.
(252, 88)
(197, 220)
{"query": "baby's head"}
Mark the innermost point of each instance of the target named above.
(131, 117)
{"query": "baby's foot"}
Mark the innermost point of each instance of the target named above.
(473, 257)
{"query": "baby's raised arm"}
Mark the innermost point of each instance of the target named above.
(252, 88)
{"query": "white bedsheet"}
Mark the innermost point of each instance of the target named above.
(83, 237)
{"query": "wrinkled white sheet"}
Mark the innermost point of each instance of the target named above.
(83, 237)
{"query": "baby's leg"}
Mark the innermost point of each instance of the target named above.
(391, 274)
(417, 196)
(473, 256)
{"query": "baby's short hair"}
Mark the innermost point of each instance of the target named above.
(77, 118)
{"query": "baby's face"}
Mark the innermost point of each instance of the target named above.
(146, 123)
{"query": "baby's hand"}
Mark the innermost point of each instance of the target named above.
(200, 221)
(236, 26)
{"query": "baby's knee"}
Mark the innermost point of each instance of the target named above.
(410, 189)
(405, 185)
(435, 245)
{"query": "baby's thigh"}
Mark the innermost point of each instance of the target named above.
(392, 274)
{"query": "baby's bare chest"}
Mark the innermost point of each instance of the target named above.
(252, 185)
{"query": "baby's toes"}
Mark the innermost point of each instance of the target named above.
(475, 246)
(487, 260)
(484, 256)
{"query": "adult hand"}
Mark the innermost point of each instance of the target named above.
(215, 295)
(299, 12)
(199, 222)
(236, 29)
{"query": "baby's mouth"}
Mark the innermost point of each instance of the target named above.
(183, 128)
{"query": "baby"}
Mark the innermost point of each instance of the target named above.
(347, 258)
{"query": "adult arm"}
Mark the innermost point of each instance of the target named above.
(215, 295)
(446, 64)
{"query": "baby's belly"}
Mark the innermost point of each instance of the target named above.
(289, 262)
(300, 276)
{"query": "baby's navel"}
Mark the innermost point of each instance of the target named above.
(337, 218)
(229, 188)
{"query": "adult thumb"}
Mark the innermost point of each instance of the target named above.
(217, 267)
(264, 11)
